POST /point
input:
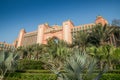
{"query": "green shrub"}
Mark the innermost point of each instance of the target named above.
(48, 75)
(30, 64)
(118, 67)
(31, 76)
(34, 76)
(33, 71)
(110, 77)
(113, 71)
(107, 76)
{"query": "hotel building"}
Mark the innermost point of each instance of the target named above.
(44, 32)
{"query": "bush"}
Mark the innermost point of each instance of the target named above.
(110, 77)
(34, 76)
(107, 76)
(33, 71)
(118, 67)
(30, 64)
(31, 76)
(48, 75)
(113, 71)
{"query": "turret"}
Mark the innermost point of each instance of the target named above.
(41, 30)
(20, 38)
(67, 26)
(101, 20)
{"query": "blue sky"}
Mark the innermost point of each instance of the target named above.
(28, 14)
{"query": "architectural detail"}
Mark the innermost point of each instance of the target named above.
(44, 32)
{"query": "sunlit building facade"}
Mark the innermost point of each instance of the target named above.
(44, 32)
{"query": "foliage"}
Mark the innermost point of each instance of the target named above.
(8, 62)
(106, 54)
(56, 53)
(22, 52)
(30, 64)
(117, 35)
(31, 52)
(50, 76)
(38, 49)
(31, 76)
(110, 77)
(81, 40)
(101, 34)
(78, 64)
(33, 71)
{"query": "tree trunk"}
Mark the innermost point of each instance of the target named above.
(37, 56)
(110, 65)
(101, 65)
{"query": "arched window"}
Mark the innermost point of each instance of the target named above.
(55, 39)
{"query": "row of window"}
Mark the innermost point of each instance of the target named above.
(29, 40)
(82, 28)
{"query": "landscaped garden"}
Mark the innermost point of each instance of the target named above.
(91, 56)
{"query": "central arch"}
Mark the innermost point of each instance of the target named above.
(55, 39)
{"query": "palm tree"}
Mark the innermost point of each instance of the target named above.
(58, 50)
(117, 35)
(22, 52)
(100, 37)
(101, 34)
(62, 52)
(8, 61)
(106, 54)
(52, 47)
(81, 40)
(115, 57)
(29, 50)
(78, 64)
(38, 49)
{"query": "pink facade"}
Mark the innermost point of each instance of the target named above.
(45, 32)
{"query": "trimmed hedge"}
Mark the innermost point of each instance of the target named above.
(30, 64)
(34, 76)
(48, 75)
(109, 76)
(30, 76)
(112, 71)
(33, 71)
(37, 71)
(48, 71)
